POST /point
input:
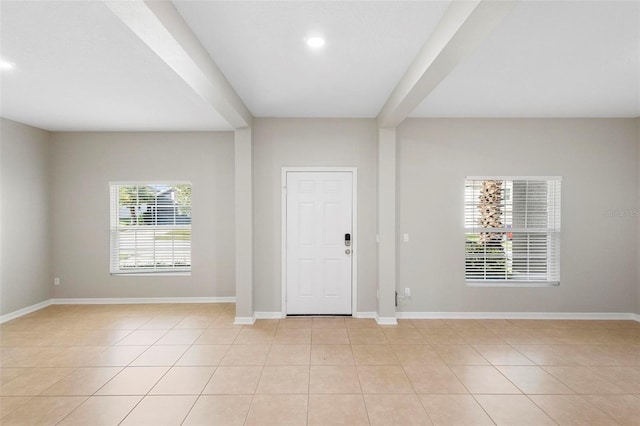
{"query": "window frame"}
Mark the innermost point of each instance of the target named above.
(552, 230)
(115, 227)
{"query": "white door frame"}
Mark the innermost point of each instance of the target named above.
(354, 231)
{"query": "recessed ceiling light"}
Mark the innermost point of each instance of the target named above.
(6, 65)
(315, 42)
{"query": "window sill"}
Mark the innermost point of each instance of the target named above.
(512, 284)
(151, 274)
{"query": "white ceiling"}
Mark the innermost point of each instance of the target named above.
(260, 48)
(549, 59)
(78, 67)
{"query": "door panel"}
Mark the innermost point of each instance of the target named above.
(319, 214)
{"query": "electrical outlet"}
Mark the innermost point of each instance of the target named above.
(405, 238)
(56, 281)
(407, 292)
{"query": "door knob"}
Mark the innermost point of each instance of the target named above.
(347, 251)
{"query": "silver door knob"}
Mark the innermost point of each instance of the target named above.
(347, 251)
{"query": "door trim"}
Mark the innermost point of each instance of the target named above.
(354, 230)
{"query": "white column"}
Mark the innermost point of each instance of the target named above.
(244, 225)
(386, 313)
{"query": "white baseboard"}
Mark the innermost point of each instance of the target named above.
(24, 311)
(268, 315)
(365, 315)
(244, 320)
(386, 320)
(139, 300)
(519, 315)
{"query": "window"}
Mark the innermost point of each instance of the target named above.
(150, 228)
(512, 229)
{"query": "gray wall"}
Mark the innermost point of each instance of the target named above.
(25, 265)
(311, 142)
(82, 166)
(597, 161)
(638, 208)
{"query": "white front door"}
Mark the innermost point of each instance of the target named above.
(318, 260)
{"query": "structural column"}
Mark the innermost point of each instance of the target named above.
(243, 141)
(386, 313)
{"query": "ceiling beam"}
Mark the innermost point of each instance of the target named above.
(161, 27)
(463, 27)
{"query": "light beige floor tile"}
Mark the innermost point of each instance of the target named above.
(43, 411)
(83, 381)
(463, 324)
(101, 411)
(571, 410)
(367, 336)
(374, 355)
(480, 336)
(183, 381)
(625, 409)
(358, 323)
(429, 323)
(404, 336)
(141, 337)
(328, 323)
(460, 355)
(441, 336)
(218, 336)
(328, 410)
(332, 355)
(8, 374)
(264, 324)
(133, 381)
(194, 322)
(507, 410)
(396, 410)
(162, 322)
(255, 336)
(33, 381)
(534, 380)
(22, 357)
(234, 380)
(295, 323)
(292, 336)
(417, 355)
(203, 355)
(9, 404)
(502, 355)
(72, 356)
(180, 337)
(227, 410)
(329, 336)
(160, 356)
(289, 355)
(583, 380)
(627, 378)
(160, 410)
(383, 380)
(284, 380)
(427, 379)
(116, 356)
(334, 379)
(549, 354)
(484, 380)
(246, 355)
(454, 410)
(280, 410)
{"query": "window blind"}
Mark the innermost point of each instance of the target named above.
(512, 229)
(150, 227)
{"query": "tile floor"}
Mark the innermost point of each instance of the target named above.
(187, 364)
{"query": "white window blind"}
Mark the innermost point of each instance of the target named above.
(150, 227)
(512, 227)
